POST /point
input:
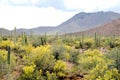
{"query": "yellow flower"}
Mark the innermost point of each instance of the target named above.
(29, 69)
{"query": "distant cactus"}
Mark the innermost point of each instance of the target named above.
(82, 41)
(43, 40)
(112, 42)
(15, 35)
(24, 36)
(97, 39)
(11, 37)
(31, 33)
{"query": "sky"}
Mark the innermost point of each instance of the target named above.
(34, 13)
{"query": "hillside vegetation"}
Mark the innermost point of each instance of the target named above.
(59, 57)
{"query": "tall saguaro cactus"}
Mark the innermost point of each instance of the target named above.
(15, 35)
(9, 52)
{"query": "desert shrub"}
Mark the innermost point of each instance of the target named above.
(4, 66)
(42, 57)
(117, 42)
(88, 43)
(114, 54)
(36, 41)
(28, 73)
(65, 53)
(103, 72)
(89, 59)
(60, 68)
(51, 76)
(6, 43)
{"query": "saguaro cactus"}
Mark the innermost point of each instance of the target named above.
(82, 41)
(11, 37)
(24, 36)
(31, 33)
(15, 35)
(97, 39)
(9, 52)
(43, 40)
(112, 42)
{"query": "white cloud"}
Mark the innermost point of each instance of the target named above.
(28, 17)
(20, 1)
(90, 5)
(31, 16)
(34, 1)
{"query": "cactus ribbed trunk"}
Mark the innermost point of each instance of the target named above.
(24, 36)
(9, 52)
(95, 39)
(15, 35)
(82, 41)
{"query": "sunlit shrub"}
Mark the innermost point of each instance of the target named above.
(42, 57)
(60, 68)
(6, 43)
(65, 52)
(28, 73)
(102, 72)
(4, 66)
(114, 55)
(89, 59)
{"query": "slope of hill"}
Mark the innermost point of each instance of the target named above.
(4, 32)
(39, 30)
(85, 21)
(111, 28)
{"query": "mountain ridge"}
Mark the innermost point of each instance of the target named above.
(79, 22)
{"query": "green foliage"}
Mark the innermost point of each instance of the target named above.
(115, 55)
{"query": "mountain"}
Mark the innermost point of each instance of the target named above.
(111, 28)
(4, 32)
(85, 21)
(79, 22)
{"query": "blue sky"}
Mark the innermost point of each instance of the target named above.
(35, 13)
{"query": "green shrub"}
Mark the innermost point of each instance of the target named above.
(114, 54)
